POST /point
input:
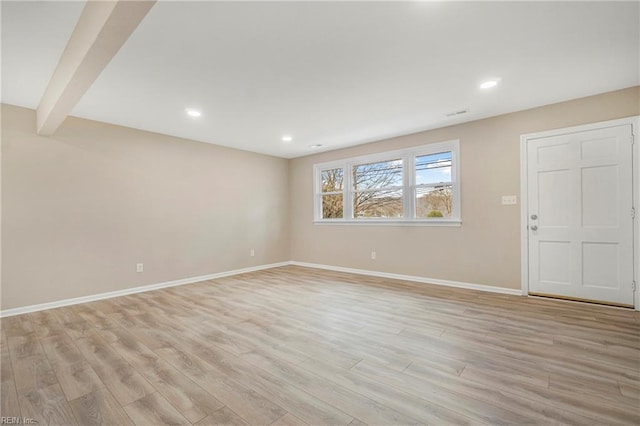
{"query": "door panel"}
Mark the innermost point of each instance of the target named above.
(599, 193)
(579, 220)
(553, 210)
(600, 265)
(555, 262)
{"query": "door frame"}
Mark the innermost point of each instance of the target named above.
(524, 195)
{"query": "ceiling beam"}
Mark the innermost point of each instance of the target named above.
(103, 27)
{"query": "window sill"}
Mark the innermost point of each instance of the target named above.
(374, 222)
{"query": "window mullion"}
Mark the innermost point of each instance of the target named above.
(408, 190)
(347, 198)
(434, 185)
(386, 188)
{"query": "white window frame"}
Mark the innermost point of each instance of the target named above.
(409, 187)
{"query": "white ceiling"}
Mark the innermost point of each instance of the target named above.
(34, 34)
(330, 73)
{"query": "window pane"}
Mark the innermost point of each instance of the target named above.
(434, 202)
(332, 206)
(332, 180)
(383, 174)
(433, 168)
(377, 204)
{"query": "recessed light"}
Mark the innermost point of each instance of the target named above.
(193, 112)
(318, 145)
(489, 84)
(287, 138)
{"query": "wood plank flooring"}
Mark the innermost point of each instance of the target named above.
(300, 346)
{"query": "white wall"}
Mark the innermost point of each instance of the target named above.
(80, 209)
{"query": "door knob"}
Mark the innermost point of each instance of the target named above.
(534, 227)
(534, 216)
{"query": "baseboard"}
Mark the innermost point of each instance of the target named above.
(413, 278)
(124, 292)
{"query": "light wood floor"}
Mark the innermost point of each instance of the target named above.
(293, 346)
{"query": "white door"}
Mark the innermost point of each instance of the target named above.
(580, 224)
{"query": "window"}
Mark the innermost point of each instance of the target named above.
(377, 189)
(418, 185)
(332, 193)
(434, 188)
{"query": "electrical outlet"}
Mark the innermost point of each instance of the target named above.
(252, 253)
(509, 200)
(139, 267)
(373, 255)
